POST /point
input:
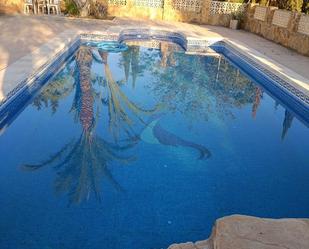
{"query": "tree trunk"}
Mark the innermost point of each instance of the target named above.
(83, 7)
(84, 62)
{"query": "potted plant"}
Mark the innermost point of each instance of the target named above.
(236, 19)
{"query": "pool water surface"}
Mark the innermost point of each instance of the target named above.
(141, 146)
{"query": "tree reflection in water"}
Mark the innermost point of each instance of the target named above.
(194, 86)
(82, 164)
(60, 88)
(199, 86)
(123, 113)
(287, 123)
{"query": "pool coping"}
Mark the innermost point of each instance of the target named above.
(21, 75)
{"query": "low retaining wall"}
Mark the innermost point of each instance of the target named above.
(290, 29)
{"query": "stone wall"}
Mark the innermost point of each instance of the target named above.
(11, 6)
(220, 12)
(170, 10)
(290, 29)
(193, 11)
(219, 20)
(134, 8)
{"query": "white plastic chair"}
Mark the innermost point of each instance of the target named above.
(42, 5)
(53, 5)
(27, 5)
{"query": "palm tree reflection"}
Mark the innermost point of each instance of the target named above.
(82, 164)
(287, 123)
(122, 112)
(257, 101)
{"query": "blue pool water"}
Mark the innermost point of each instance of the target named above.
(144, 147)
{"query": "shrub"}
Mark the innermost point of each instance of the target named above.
(293, 5)
(71, 8)
(98, 9)
(305, 7)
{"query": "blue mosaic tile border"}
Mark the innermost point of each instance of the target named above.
(144, 34)
(139, 34)
(37, 79)
(98, 37)
(190, 45)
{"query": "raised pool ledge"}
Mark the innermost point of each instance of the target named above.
(247, 232)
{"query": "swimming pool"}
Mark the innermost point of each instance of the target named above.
(139, 145)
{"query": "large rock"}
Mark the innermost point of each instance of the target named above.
(246, 232)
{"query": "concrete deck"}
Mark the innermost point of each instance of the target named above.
(26, 41)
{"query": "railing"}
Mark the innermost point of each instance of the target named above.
(199, 11)
(149, 3)
(117, 2)
(187, 5)
(217, 7)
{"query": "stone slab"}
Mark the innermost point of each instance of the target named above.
(247, 232)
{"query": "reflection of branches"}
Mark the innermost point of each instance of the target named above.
(167, 55)
(119, 106)
(199, 86)
(80, 165)
(58, 89)
(131, 63)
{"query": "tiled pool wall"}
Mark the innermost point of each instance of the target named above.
(289, 96)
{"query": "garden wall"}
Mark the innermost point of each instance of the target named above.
(195, 11)
(11, 6)
(290, 29)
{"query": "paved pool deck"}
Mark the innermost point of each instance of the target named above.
(27, 42)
